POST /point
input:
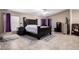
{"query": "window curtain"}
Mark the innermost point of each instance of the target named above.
(8, 22)
(49, 22)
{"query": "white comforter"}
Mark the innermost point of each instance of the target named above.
(32, 28)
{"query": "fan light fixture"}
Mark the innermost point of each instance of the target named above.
(44, 11)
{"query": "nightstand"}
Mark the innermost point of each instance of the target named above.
(21, 31)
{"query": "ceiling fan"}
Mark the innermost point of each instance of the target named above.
(44, 11)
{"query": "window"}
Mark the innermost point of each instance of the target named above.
(15, 23)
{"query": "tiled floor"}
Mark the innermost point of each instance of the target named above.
(57, 41)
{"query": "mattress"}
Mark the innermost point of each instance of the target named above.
(32, 28)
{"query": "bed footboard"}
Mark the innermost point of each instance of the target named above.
(43, 31)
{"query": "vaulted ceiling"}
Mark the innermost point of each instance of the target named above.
(38, 12)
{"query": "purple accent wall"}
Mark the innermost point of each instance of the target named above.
(8, 23)
(45, 22)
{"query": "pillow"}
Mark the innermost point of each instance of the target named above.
(31, 26)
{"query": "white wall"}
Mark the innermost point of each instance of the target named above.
(60, 17)
(1, 22)
(75, 16)
(21, 15)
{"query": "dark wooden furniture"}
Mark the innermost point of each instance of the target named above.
(21, 31)
(75, 29)
(41, 31)
(29, 21)
(58, 27)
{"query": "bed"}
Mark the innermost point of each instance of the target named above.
(34, 30)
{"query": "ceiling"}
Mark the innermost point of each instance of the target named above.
(38, 12)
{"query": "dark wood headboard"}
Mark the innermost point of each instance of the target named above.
(30, 22)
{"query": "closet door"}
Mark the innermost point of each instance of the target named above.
(15, 23)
